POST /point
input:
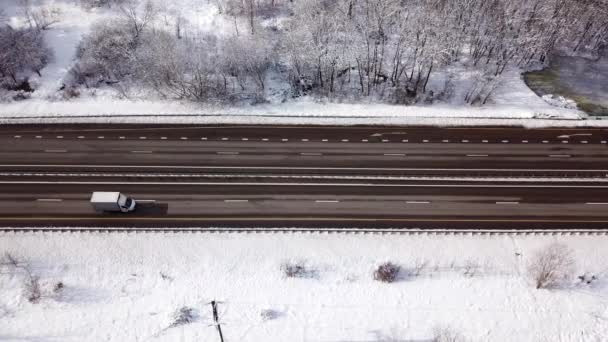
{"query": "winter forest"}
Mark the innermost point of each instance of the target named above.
(393, 51)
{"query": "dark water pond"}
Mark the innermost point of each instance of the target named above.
(582, 80)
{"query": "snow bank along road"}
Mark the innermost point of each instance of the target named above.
(262, 176)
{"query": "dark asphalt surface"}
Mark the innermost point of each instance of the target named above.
(259, 176)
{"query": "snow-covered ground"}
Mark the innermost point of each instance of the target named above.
(514, 103)
(126, 287)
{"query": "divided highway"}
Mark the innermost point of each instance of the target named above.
(260, 176)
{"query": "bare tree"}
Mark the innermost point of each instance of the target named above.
(139, 20)
(44, 17)
(22, 50)
(551, 266)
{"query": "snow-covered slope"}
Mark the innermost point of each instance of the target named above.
(126, 287)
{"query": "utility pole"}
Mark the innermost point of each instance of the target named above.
(216, 319)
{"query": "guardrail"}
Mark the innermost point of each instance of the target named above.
(327, 231)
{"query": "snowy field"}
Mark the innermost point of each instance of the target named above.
(127, 287)
(513, 104)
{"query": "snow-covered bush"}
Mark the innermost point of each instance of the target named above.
(387, 272)
(44, 17)
(298, 269)
(32, 288)
(22, 51)
(269, 314)
(105, 55)
(185, 315)
(447, 334)
(551, 266)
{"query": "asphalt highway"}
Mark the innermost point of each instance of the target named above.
(260, 176)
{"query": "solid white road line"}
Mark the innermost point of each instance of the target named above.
(55, 151)
(353, 185)
(49, 200)
(289, 168)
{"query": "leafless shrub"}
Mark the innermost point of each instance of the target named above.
(298, 269)
(446, 334)
(184, 315)
(32, 289)
(471, 267)
(31, 282)
(419, 267)
(387, 272)
(58, 288)
(551, 266)
(102, 3)
(22, 51)
(44, 17)
(269, 314)
(70, 93)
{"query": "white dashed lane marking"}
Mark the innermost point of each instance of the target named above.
(49, 200)
(55, 151)
(418, 202)
(507, 203)
(327, 201)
